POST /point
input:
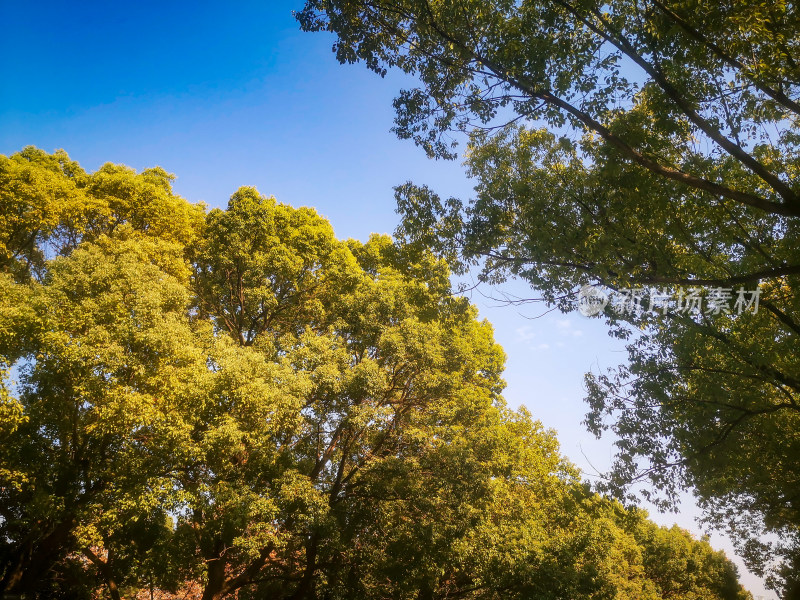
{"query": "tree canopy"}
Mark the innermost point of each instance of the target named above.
(236, 403)
(650, 149)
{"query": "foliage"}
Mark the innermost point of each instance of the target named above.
(249, 407)
(629, 145)
(49, 204)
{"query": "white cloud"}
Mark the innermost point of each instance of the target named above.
(565, 328)
(525, 334)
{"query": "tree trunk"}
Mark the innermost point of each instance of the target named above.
(216, 579)
(105, 571)
(30, 564)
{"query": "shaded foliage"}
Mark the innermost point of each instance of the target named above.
(629, 145)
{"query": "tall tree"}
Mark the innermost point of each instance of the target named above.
(263, 410)
(648, 146)
(84, 329)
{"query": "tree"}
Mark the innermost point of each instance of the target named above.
(85, 321)
(635, 146)
(49, 204)
(263, 410)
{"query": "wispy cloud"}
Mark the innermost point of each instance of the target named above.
(566, 328)
(525, 334)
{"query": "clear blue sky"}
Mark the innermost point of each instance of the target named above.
(232, 94)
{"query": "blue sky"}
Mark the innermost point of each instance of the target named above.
(226, 95)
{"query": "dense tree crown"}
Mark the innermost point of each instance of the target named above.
(648, 148)
(238, 404)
